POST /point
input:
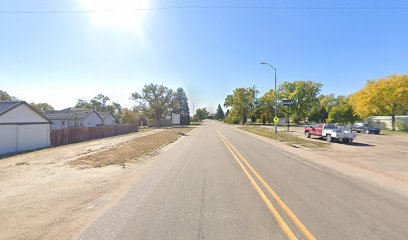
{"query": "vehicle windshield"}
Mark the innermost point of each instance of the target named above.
(331, 126)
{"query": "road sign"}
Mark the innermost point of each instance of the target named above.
(289, 103)
(276, 120)
(175, 119)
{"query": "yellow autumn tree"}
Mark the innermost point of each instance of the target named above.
(387, 97)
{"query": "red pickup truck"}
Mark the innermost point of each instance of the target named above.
(330, 132)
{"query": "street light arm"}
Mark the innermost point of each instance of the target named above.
(265, 63)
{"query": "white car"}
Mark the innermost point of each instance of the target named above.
(334, 131)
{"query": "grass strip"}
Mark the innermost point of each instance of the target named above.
(286, 137)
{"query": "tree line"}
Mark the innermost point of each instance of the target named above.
(384, 97)
(153, 102)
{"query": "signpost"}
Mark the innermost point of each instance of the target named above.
(289, 103)
(175, 119)
(276, 120)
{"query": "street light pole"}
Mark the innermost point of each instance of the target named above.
(276, 94)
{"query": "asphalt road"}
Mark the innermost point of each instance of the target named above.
(220, 183)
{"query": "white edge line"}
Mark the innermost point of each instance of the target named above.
(311, 165)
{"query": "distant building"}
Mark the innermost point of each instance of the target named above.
(22, 128)
(108, 118)
(74, 117)
(385, 122)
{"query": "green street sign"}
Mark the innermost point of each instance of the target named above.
(276, 120)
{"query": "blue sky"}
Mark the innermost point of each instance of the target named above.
(58, 58)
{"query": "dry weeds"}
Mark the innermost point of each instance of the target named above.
(129, 151)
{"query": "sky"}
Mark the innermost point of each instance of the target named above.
(60, 51)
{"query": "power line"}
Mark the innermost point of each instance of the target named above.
(201, 7)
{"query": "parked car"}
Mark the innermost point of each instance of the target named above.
(364, 128)
(330, 132)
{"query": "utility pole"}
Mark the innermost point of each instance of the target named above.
(276, 95)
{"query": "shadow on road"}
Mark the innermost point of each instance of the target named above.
(360, 144)
(356, 144)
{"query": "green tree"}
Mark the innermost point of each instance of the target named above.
(242, 101)
(42, 107)
(155, 101)
(388, 96)
(305, 93)
(4, 96)
(182, 101)
(81, 103)
(202, 113)
(342, 113)
(321, 110)
(100, 104)
(266, 106)
(219, 115)
(117, 109)
(233, 117)
(329, 101)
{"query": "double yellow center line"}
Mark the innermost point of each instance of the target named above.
(241, 161)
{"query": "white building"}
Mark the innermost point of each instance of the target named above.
(22, 128)
(74, 117)
(108, 118)
(385, 122)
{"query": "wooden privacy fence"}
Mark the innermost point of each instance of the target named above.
(73, 135)
(163, 123)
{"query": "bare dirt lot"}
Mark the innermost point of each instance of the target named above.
(385, 154)
(54, 193)
(380, 159)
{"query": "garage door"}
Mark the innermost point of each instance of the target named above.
(8, 138)
(32, 137)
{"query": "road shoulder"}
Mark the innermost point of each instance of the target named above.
(44, 196)
(359, 172)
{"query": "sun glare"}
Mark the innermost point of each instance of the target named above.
(122, 14)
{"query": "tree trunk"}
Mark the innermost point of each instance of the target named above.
(263, 121)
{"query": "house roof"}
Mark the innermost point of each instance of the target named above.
(70, 110)
(6, 106)
(103, 115)
(69, 114)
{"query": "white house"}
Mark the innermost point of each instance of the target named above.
(22, 128)
(74, 117)
(108, 118)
